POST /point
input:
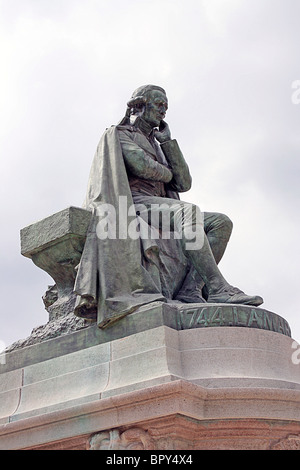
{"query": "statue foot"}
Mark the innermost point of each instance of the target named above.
(234, 296)
(86, 308)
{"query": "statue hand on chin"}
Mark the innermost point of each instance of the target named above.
(163, 134)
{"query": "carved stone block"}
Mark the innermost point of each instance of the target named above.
(55, 244)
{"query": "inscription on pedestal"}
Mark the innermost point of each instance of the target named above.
(230, 315)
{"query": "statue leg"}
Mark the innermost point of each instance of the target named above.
(185, 219)
(218, 228)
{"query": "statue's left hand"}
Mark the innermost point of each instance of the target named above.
(163, 134)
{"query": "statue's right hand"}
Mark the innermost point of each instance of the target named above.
(163, 134)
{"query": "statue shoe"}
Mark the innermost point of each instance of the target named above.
(86, 308)
(233, 295)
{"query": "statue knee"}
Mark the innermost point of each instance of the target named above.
(226, 225)
(218, 225)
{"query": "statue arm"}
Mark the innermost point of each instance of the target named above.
(140, 164)
(182, 180)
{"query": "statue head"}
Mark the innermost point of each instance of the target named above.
(149, 101)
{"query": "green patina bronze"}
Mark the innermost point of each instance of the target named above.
(138, 160)
(114, 282)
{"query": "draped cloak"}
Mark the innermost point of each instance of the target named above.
(118, 275)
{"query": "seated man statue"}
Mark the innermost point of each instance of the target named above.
(136, 175)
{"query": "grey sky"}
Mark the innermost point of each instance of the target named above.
(68, 67)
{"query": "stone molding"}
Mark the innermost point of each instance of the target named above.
(155, 408)
(291, 442)
(132, 439)
(178, 432)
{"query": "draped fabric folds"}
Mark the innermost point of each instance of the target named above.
(111, 277)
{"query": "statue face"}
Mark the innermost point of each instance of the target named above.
(156, 108)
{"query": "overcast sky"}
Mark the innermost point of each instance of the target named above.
(68, 67)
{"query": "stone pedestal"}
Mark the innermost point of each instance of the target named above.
(171, 384)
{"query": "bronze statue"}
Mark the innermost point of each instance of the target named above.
(138, 164)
